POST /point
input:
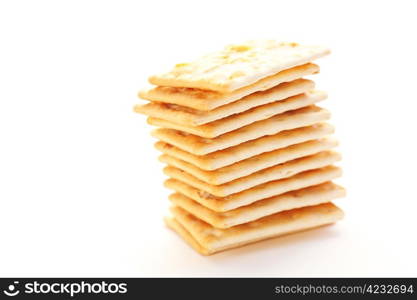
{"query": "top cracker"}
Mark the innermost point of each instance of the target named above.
(237, 66)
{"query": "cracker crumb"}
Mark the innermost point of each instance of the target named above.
(239, 48)
(181, 65)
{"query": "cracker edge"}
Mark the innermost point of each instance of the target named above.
(174, 225)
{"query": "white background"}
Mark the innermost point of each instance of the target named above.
(80, 185)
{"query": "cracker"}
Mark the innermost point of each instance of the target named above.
(237, 66)
(263, 191)
(191, 117)
(309, 196)
(177, 227)
(208, 100)
(232, 155)
(302, 117)
(222, 126)
(277, 172)
(253, 164)
(213, 240)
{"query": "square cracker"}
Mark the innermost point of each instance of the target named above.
(263, 191)
(233, 122)
(208, 240)
(252, 164)
(208, 100)
(237, 66)
(309, 196)
(197, 145)
(232, 155)
(277, 172)
(191, 117)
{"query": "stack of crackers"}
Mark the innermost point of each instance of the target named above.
(248, 151)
